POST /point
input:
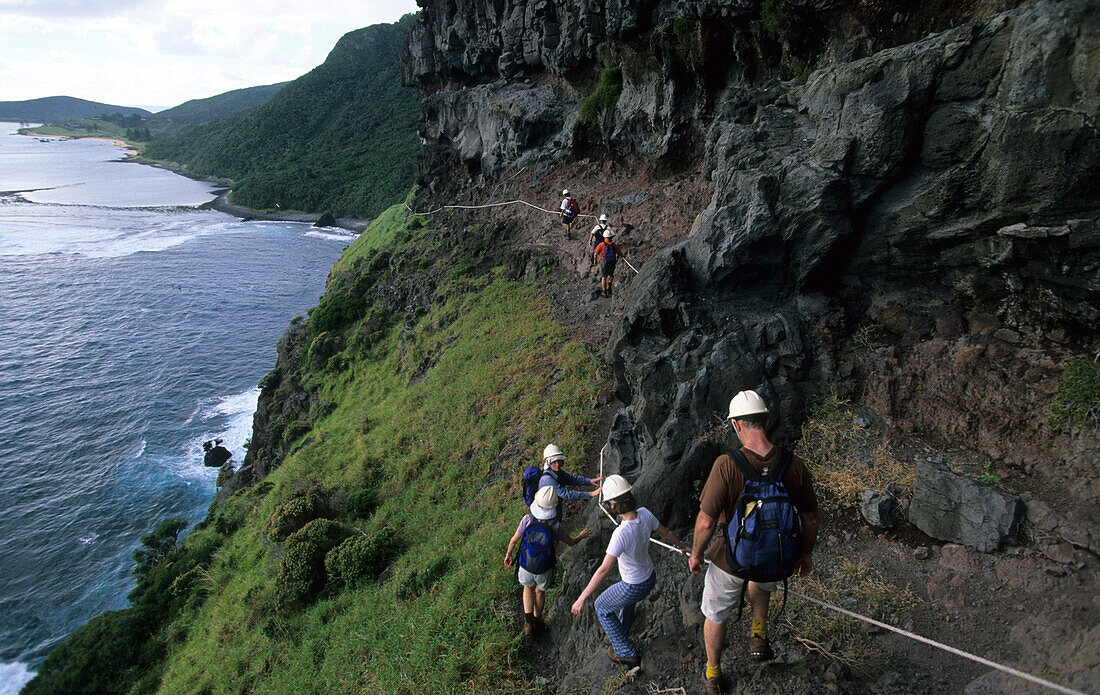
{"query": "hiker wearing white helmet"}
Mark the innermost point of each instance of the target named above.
(569, 210)
(555, 477)
(629, 546)
(540, 531)
(756, 463)
(596, 235)
(607, 253)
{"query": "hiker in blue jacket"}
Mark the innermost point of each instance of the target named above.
(554, 476)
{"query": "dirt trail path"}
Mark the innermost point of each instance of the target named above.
(1038, 613)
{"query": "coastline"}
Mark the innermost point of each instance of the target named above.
(221, 201)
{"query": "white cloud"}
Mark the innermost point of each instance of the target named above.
(133, 52)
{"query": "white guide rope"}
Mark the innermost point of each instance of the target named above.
(905, 633)
(496, 205)
(490, 205)
(946, 648)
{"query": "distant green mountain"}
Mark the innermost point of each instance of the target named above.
(340, 139)
(53, 109)
(220, 106)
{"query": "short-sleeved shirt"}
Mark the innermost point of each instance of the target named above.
(630, 544)
(723, 489)
(598, 251)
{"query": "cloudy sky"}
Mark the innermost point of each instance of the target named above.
(160, 53)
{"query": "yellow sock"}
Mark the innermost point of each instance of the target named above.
(759, 628)
(713, 671)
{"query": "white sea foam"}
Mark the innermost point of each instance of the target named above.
(13, 677)
(89, 539)
(345, 237)
(140, 450)
(230, 420)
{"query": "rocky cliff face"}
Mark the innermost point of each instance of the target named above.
(933, 202)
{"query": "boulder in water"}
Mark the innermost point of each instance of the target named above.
(216, 456)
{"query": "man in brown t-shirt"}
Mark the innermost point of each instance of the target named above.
(721, 589)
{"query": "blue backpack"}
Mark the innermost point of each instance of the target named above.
(536, 553)
(608, 252)
(531, 477)
(764, 538)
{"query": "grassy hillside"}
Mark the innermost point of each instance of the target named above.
(369, 560)
(219, 106)
(340, 139)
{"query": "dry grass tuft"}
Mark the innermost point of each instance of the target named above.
(843, 458)
(862, 590)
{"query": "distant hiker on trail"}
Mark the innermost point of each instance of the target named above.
(540, 531)
(555, 477)
(596, 235)
(629, 546)
(755, 494)
(607, 253)
(569, 211)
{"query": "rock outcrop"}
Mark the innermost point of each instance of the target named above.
(914, 223)
(954, 508)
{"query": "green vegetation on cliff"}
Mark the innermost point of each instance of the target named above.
(340, 139)
(369, 560)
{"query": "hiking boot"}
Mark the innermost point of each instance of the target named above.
(528, 629)
(625, 661)
(539, 626)
(759, 649)
(712, 686)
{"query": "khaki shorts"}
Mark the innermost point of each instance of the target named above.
(721, 591)
(542, 581)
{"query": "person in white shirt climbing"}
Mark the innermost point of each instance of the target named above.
(630, 547)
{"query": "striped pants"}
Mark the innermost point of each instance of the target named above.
(615, 611)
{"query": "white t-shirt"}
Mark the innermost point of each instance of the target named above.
(630, 544)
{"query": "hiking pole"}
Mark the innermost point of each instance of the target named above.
(628, 263)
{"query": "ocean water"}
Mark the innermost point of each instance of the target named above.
(133, 327)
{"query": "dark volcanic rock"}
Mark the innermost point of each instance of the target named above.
(325, 220)
(216, 456)
(957, 509)
(879, 509)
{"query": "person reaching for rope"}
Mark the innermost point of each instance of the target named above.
(608, 253)
(569, 211)
(629, 546)
(555, 477)
(755, 493)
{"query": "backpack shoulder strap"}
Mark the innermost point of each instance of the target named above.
(782, 462)
(742, 464)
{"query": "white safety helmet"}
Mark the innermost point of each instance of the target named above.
(615, 486)
(747, 403)
(603, 218)
(565, 192)
(608, 233)
(550, 454)
(546, 502)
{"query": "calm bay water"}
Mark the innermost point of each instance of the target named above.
(133, 327)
